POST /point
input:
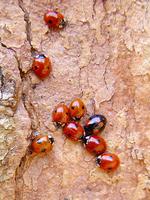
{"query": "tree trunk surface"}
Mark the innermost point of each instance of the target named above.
(103, 57)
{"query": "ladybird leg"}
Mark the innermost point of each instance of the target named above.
(98, 160)
(51, 139)
(57, 125)
(84, 139)
(30, 151)
(63, 125)
(76, 119)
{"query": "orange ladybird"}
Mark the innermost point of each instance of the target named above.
(108, 161)
(41, 66)
(42, 143)
(77, 109)
(54, 19)
(60, 115)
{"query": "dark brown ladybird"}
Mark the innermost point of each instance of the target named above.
(95, 124)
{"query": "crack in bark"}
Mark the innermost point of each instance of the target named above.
(22, 74)
(104, 76)
(24, 161)
(1, 79)
(94, 10)
(3, 87)
(131, 88)
(21, 168)
(80, 86)
(5, 46)
(27, 20)
(28, 25)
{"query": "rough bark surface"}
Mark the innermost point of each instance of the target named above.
(103, 56)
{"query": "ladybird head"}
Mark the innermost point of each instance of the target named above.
(62, 23)
(85, 139)
(98, 160)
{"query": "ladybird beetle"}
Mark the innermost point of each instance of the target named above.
(42, 143)
(41, 66)
(73, 131)
(60, 115)
(54, 19)
(95, 124)
(108, 161)
(77, 109)
(94, 144)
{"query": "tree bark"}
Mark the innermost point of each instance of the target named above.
(103, 57)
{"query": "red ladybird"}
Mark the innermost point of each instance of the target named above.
(95, 124)
(60, 115)
(41, 66)
(94, 144)
(42, 143)
(77, 109)
(108, 161)
(54, 19)
(73, 131)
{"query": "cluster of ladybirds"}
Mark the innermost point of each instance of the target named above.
(68, 118)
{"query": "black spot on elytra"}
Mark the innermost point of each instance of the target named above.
(43, 150)
(35, 67)
(50, 22)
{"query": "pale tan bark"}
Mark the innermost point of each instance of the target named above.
(103, 56)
